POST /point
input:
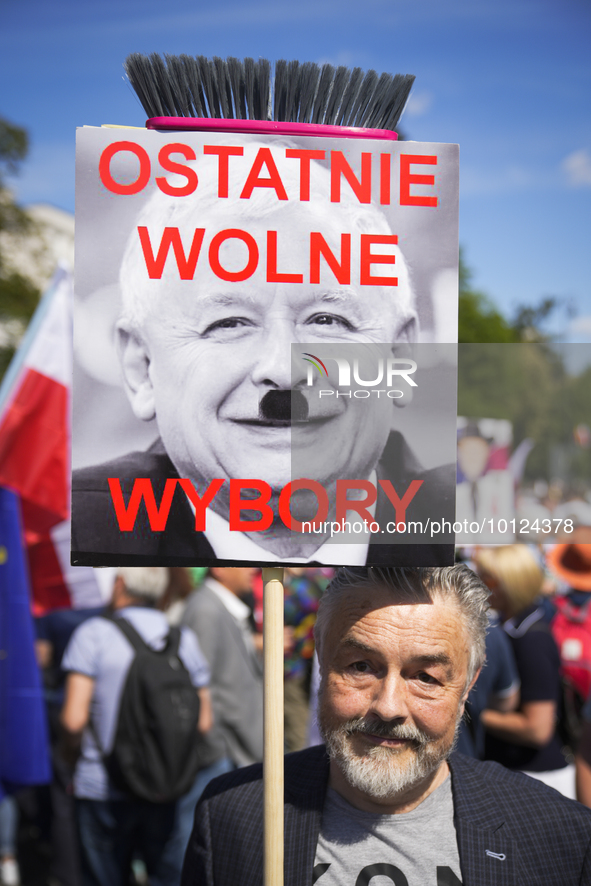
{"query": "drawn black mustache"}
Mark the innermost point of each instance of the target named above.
(283, 406)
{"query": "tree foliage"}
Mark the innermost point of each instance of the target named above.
(18, 295)
(509, 369)
(479, 320)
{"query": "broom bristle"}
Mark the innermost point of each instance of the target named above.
(236, 72)
(339, 84)
(186, 86)
(353, 85)
(310, 74)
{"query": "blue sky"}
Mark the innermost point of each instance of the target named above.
(509, 80)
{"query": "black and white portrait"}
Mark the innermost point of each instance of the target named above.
(264, 331)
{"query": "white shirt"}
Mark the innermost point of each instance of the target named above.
(237, 609)
(232, 545)
(235, 606)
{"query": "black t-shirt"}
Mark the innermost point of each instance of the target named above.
(538, 663)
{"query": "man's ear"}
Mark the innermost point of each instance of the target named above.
(409, 333)
(135, 365)
(469, 688)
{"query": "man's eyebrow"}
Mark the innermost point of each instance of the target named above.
(433, 658)
(339, 296)
(226, 299)
(352, 643)
(426, 658)
(343, 298)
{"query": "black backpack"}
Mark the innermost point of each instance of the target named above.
(155, 755)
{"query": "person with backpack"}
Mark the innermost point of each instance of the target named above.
(526, 739)
(571, 625)
(136, 696)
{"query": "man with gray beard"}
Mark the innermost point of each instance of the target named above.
(387, 801)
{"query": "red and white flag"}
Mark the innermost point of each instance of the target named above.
(34, 412)
(35, 449)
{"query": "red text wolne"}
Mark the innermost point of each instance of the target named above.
(340, 265)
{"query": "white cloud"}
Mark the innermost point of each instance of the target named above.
(577, 167)
(419, 103)
(580, 326)
(578, 332)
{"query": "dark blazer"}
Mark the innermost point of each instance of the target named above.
(97, 539)
(536, 837)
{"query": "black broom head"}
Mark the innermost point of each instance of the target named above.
(194, 86)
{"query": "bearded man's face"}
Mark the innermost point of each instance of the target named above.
(394, 682)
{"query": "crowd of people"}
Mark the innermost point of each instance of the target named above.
(109, 819)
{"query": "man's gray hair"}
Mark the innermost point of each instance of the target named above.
(147, 583)
(411, 585)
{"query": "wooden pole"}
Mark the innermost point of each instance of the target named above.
(273, 725)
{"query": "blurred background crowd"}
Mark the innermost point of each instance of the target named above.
(530, 709)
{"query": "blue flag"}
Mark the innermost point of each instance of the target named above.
(24, 745)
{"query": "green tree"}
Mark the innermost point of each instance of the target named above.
(508, 369)
(479, 320)
(18, 296)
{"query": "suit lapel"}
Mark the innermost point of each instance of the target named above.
(302, 827)
(180, 540)
(485, 856)
(399, 465)
(487, 852)
(305, 789)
